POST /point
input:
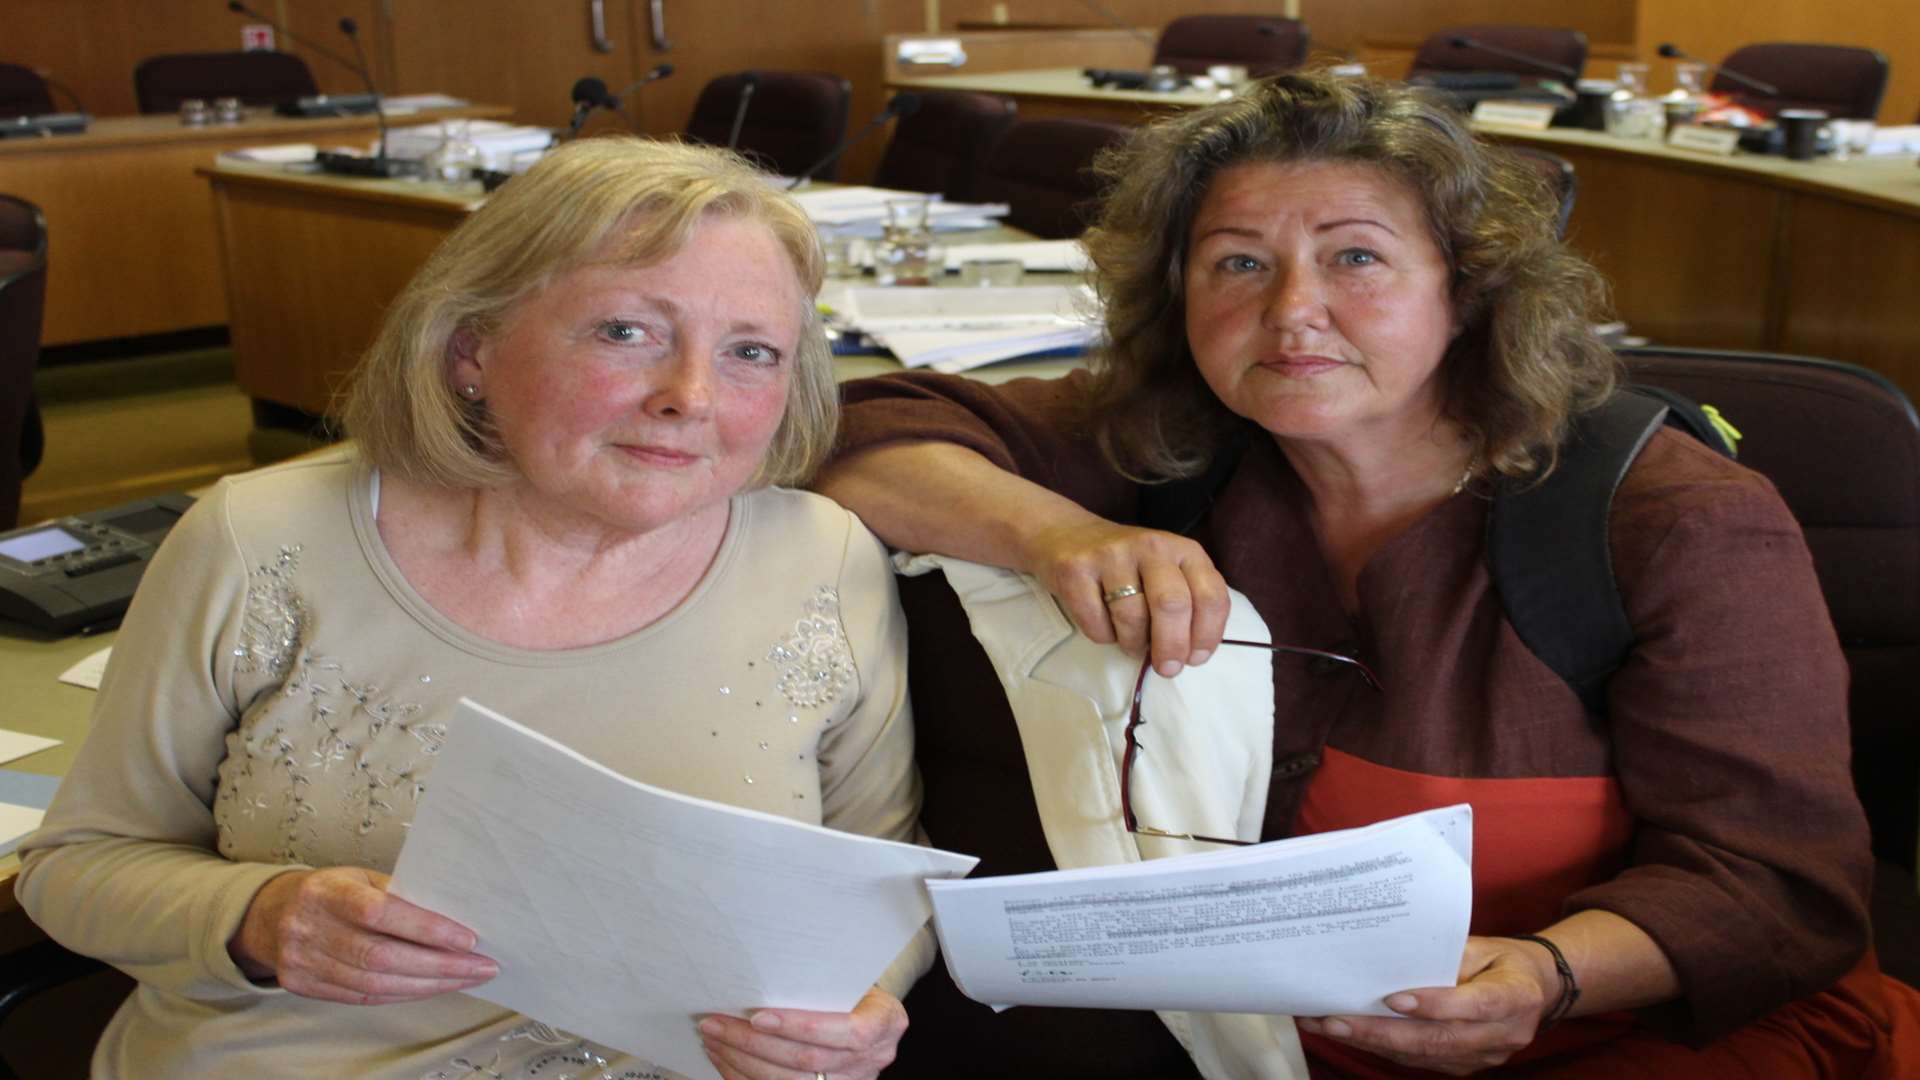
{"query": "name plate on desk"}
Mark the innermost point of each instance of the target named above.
(1513, 115)
(1707, 140)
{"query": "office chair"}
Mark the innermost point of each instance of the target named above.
(1264, 46)
(23, 92)
(23, 291)
(1041, 169)
(161, 83)
(1557, 171)
(1555, 45)
(1842, 444)
(794, 119)
(1845, 80)
(940, 148)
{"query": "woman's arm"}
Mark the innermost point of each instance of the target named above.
(961, 469)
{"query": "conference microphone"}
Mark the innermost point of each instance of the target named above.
(588, 94)
(47, 75)
(1561, 70)
(904, 104)
(351, 28)
(1672, 52)
(749, 82)
(660, 71)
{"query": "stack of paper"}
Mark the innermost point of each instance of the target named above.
(1315, 926)
(499, 144)
(1044, 256)
(860, 211)
(1896, 139)
(282, 154)
(955, 330)
(622, 912)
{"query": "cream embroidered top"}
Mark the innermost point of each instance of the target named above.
(276, 698)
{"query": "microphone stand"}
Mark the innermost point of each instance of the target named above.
(750, 81)
(1671, 52)
(1561, 70)
(903, 104)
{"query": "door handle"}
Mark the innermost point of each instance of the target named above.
(597, 24)
(657, 13)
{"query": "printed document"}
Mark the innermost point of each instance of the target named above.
(1312, 926)
(623, 912)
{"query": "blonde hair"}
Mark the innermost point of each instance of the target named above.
(640, 199)
(1526, 360)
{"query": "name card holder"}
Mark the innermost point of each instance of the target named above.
(1706, 140)
(1512, 114)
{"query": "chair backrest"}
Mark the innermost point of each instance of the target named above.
(940, 148)
(23, 291)
(1846, 80)
(793, 120)
(1261, 44)
(1559, 175)
(1041, 168)
(1553, 44)
(258, 77)
(23, 92)
(1842, 444)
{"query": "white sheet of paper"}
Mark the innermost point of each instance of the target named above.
(876, 310)
(87, 673)
(1060, 256)
(1313, 926)
(18, 744)
(622, 912)
(16, 822)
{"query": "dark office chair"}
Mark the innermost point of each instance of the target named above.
(1553, 44)
(940, 148)
(794, 119)
(23, 291)
(1843, 446)
(23, 92)
(1557, 171)
(1845, 80)
(1040, 168)
(1264, 46)
(161, 83)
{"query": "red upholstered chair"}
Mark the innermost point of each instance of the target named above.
(1553, 44)
(23, 92)
(1557, 172)
(941, 148)
(161, 83)
(1262, 45)
(1040, 168)
(23, 290)
(794, 119)
(1845, 80)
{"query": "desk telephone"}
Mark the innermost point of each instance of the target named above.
(80, 572)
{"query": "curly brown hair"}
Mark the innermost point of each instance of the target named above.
(1526, 360)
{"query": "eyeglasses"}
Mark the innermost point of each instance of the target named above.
(1135, 721)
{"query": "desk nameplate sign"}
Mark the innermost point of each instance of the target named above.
(1706, 140)
(1513, 115)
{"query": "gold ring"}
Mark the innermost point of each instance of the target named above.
(1122, 593)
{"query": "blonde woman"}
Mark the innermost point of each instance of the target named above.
(563, 501)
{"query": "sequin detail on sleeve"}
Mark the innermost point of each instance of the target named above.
(274, 620)
(814, 662)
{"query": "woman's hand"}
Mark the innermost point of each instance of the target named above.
(1491, 1015)
(337, 935)
(1180, 610)
(789, 1044)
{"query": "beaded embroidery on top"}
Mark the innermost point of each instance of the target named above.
(815, 662)
(274, 621)
(556, 1055)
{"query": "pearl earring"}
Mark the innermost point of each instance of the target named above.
(470, 392)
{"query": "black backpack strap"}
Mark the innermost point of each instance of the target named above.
(1548, 554)
(1176, 506)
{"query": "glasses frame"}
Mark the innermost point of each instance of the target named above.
(1135, 721)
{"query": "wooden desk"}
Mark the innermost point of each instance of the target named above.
(131, 237)
(1741, 252)
(313, 261)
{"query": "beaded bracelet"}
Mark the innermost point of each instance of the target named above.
(1569, 989)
